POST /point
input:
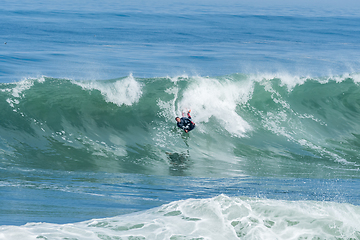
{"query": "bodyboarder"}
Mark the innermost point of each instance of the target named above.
(185, 123)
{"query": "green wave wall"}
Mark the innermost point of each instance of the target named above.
(247, 125)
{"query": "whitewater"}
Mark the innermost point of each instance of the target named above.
(89, 148)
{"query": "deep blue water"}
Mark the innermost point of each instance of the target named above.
(93, 40)
(89, 148)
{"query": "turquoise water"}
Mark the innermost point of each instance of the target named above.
(89, 148)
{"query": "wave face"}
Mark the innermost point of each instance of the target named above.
(247, 125)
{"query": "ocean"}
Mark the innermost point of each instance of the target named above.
(89, 148)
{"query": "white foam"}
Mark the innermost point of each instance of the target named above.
(286, 79)
(20, 87)
(178, 78)
(356, 77)
(209, 97)
(220, 217)
(122, 92)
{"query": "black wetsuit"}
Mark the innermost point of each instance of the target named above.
(186, 123)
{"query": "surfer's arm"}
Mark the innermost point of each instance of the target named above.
(190, 117)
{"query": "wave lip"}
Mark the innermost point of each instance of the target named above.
(126, 91)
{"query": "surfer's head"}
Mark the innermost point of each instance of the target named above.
(177, 119)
